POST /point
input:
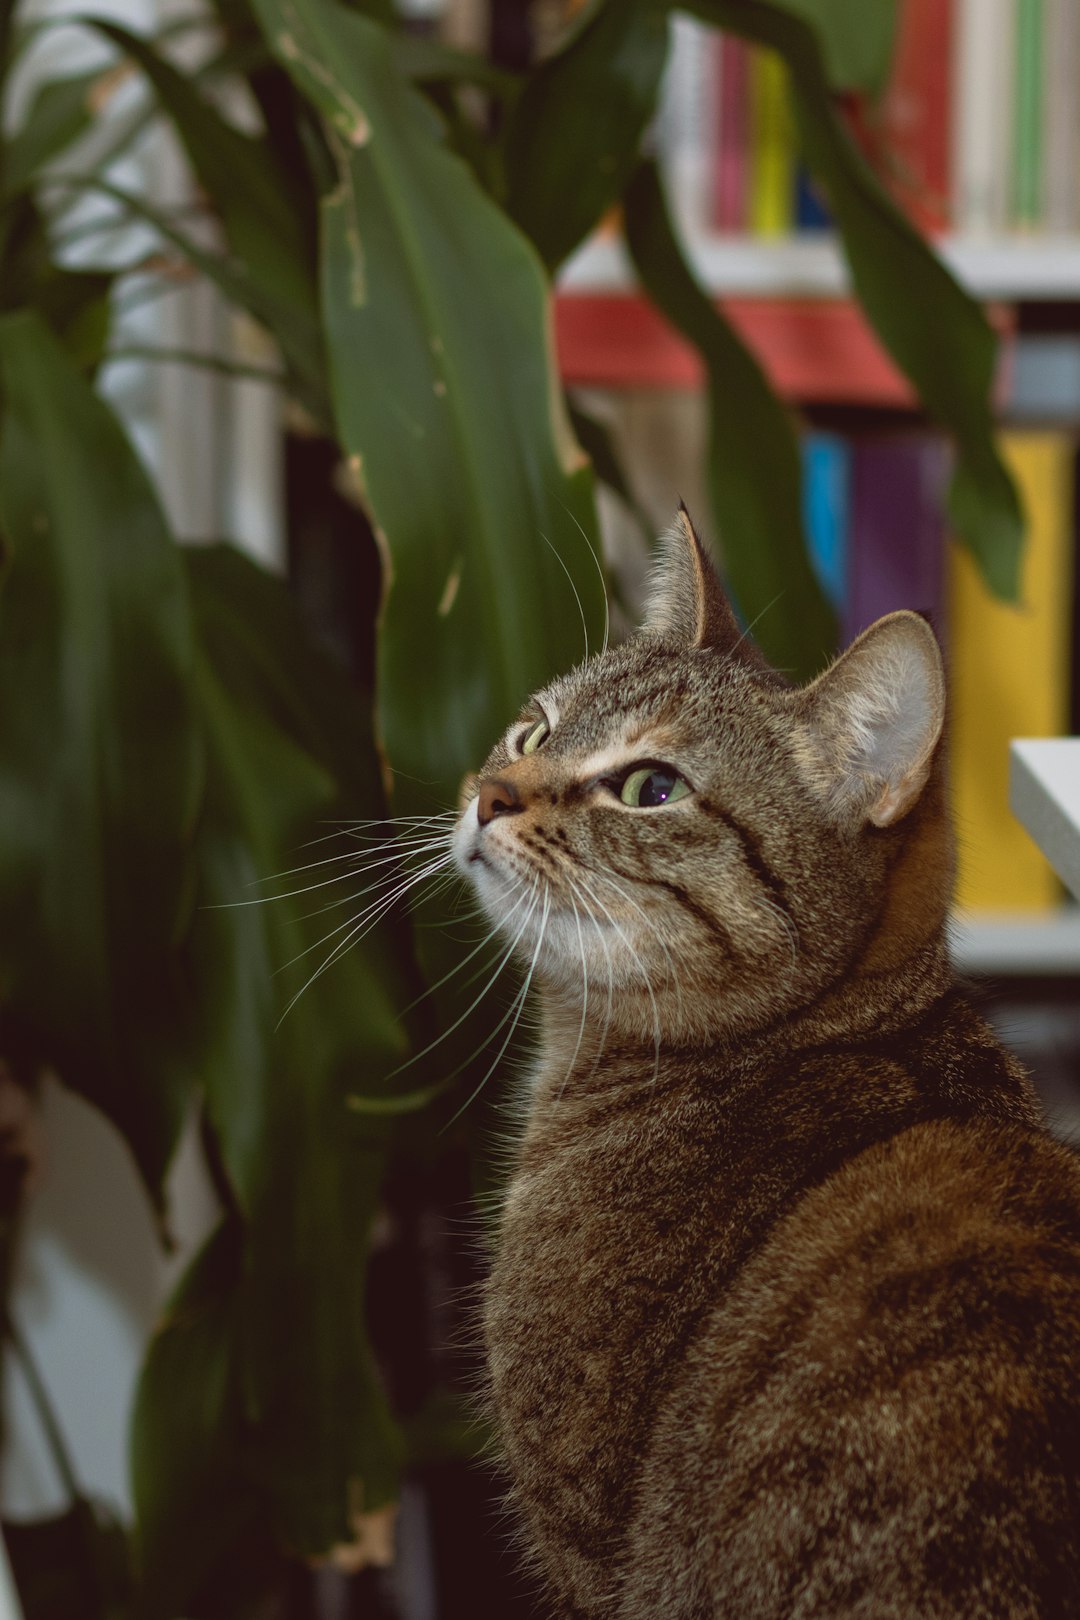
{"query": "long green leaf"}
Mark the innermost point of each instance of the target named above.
(74, 304)
(62, 109)
(101, 765)
(300, 344)
(237, 171)
(856, 38)
(194, 1496)
(289, 749)
(571, 141)
(270, 259)
(936, 333)
(755, 473)
(437, 324)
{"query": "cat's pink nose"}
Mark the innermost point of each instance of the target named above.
(496, 798)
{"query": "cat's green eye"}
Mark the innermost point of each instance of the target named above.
(651, 786)
(537, 734)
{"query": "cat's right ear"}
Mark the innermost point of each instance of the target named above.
(686, 606)
(874, 719)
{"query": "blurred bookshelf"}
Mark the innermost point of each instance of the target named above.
(976, 135)
(1011, 268)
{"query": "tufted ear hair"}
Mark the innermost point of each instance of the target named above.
(874, 719)
(686, 605)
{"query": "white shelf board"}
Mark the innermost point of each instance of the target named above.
(1044, 945)
(812, 265)
(1044, 796)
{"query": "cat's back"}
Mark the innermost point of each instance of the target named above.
(882, 1415)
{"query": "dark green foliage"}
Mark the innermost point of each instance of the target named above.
(172, 738)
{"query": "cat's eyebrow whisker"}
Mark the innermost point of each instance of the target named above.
(756, 620)
(573, 587)
(446, 1033)
(596, 564)
(516, 1007)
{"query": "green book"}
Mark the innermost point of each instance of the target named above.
(1027, 188)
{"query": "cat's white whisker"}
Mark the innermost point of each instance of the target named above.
(516, 1009)
(471, 1008)
(788, 924)
(584, 999)
(484, 943)
(624, 893)
(361, 867)
(636, 960)
(357, 927)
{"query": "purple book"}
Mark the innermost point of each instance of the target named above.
(897, 555)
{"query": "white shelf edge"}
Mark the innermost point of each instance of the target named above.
(1044, 796)
(1046, 944)
(812, 265)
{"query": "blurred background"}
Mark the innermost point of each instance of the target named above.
(291, 525)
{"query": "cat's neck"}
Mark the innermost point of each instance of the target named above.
(585, 1049)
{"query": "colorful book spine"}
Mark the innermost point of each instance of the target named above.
(827, 511)
(915, 113)
(1028, 66)
(732, 158)
(687, 123)
(1060, 205)
(772, 147)
(1010, 678)
(983, 104)
(811, 210)
(897, 529)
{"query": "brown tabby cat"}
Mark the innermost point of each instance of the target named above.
(785, 1315)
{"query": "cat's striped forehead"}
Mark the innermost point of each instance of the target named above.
(621, 698)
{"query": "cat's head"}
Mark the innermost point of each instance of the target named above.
(699, 848)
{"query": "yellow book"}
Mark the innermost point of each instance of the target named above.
(1009, 677)
(772, 146)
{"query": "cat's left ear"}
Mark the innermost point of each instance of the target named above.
(687, 606)
(873, 721)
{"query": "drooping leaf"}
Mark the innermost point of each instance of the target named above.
(428, 61)
(856, 39)
(934, 331)
(437, 326)
(597, 444)
(300, 345)
(270, 258)
(74, 304)
(101, 766)
(290, 747)
(571, 140)
(755, 473)
(194, 1494)
(62, 109)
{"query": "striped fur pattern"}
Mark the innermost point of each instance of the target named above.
(784, 1319)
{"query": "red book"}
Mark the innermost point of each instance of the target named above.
(915, 115)
(733, 136)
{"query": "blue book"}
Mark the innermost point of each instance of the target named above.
(827, 511)
(811, 213)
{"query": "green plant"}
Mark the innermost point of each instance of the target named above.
(171, 736)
